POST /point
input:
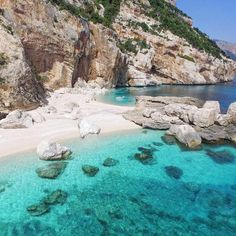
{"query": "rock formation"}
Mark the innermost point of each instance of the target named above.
(190, 120)
(51, 44)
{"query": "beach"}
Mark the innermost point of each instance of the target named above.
(59, 126)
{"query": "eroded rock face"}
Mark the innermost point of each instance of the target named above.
(18, 85)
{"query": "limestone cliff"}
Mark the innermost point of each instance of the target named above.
(50, 44)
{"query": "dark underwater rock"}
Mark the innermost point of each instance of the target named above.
(144, 158)
(168, 139)
(28, 228)
(38, 209)
(192, 187)
(2, 188)
(51, 171)
(174, 172)
(56, 197)
(90, 170)
(157, 144)
(221, 157)
(110, 162)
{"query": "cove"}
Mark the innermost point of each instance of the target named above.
(225, 93)
(177, 192)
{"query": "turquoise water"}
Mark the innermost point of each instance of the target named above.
(131, 198)
(225, 93)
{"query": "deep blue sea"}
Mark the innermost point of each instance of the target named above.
(173, 192)
(225, 93)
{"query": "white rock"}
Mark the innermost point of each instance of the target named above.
(215, 105)
(87, 128)
(182, 111)
(232, 111)
(148, 112)
(186, 134)
(50, 151)
(223, 119)
(16, 119)
(204, 117)
(37, 117)
(69, 107)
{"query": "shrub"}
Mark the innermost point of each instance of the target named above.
(186, 57)
(3, 59)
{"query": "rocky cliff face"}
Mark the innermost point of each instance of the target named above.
(50, 44)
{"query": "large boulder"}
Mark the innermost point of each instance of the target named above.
(204, 117)
(50, 151)
(232, 111)
(16, 119)
(215, 105)
(186, 134)
(87, 128)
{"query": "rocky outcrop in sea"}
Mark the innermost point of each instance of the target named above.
(190, 120)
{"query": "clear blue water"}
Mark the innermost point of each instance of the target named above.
(225, 93)
(131, 198)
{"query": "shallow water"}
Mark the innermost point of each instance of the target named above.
(131, 198)
(225, 93)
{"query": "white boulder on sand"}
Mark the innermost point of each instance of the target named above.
(87, 128)
(50, 151)
(186, 134)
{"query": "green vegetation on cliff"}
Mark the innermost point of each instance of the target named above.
(172, 19)
(90, 10)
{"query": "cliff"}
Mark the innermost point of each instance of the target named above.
(48, 44)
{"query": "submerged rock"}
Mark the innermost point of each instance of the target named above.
(168, 139)
(157, 144)
(110, 162)
(51, 171)
(50, 151)
(174, 172)
(38, 209)
(2, 188)
(56, 197)
(192, 187)
(90, 170)
(145, 157)
(221, 157)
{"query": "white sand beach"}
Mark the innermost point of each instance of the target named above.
(60, 126)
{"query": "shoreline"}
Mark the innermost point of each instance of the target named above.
(58, 128)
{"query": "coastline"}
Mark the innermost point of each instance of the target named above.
(107, 117)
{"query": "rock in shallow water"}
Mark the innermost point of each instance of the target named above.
(221, 157)
(90, 170)
(56, 197)
(38, 209)
(168, 139)
(110, 162)
(174, 172)
(51, 171)
(50, 151)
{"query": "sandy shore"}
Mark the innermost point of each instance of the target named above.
(58, 127)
